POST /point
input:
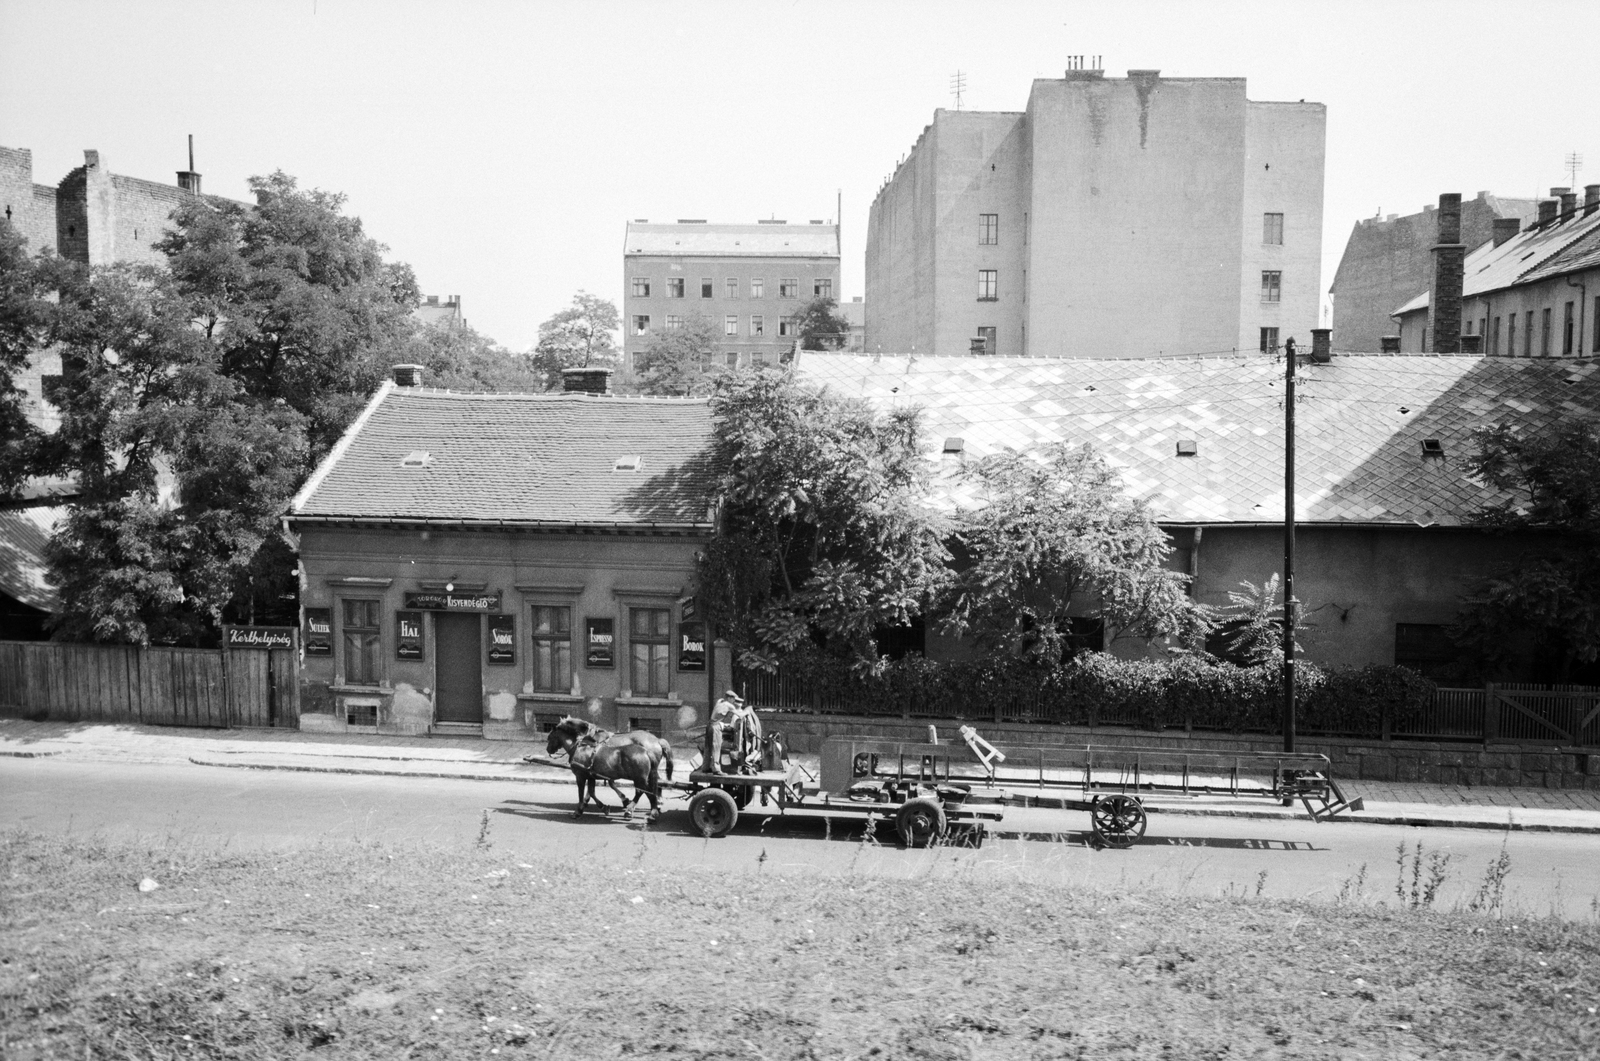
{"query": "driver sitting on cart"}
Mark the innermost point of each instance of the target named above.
(732, 717)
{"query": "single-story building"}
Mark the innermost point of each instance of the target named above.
(486, 563)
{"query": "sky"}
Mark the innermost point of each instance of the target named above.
(501, 147)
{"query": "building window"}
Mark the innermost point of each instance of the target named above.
(361, 642)
(1567, 338)
(788, 326)
(648, 645)
(674, 287)
(987, 335)
(988, 230)
(1544, 332)
(1424, 647)
(552, 649)
(730, 288)
(1271, 285)
(1269, 340)
(641, 323)
(641, 287)
(1272, 229)
(733, 359)
(1494, 338)
(788, 288)
(988, 285)
(674, 321)
(1511, 335)
(730, 325)
(822, 288)
(1594, 328)
(758, 287)
(758, 324)
(705, 286)
(1527, 335)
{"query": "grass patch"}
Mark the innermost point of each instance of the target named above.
(370, 951)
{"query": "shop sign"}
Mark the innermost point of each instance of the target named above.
(267, 637)
(432, 601)
(408, 636)
(319, 631)
(502, 640)
(688, 608)
(692, 646)
(600, 636)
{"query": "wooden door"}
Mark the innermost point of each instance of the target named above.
(458, 667)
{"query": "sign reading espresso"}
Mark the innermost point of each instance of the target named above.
(600, 643)
(319, 631)
(433, 601)
(502, 641)
(267, 637)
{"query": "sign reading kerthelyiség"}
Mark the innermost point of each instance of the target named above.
(267, 637)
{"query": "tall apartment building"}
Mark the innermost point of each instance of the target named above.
(1135, 217)
(748, 279)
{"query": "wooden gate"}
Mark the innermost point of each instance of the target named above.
(263, 687)
(1542, 714)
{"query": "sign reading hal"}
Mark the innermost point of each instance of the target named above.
(267, 637)
(432, 601)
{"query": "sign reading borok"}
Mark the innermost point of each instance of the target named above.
(430, 601)
(267, 637)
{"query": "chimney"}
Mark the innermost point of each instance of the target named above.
(188, 179)
(1591, 199)
(1569, 205)
(976, 345)
(1472, 344)
(407, 375)
(1547, 211)
(1321, 345)
(1505, 228)
(1449, 258)
(1389, 344)
(586, 380)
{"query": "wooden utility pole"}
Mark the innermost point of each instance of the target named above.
(1288, 546)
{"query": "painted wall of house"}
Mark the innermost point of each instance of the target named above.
(595, 575)
(1285, 146)
(901, 289)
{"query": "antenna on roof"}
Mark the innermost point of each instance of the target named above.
(958, 86)
(1574, 161)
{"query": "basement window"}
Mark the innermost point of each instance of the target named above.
(417, 458)
(1188, 447)
(1432, 447)
(628, 462)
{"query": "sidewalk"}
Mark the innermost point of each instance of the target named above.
(1386, 803)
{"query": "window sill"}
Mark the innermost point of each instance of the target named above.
(363, 690)
(994, 299)
(649, 701)
(563, 698)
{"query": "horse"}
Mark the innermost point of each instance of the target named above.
(595, 754)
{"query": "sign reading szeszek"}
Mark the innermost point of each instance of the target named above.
(432, 601)
(267, 637)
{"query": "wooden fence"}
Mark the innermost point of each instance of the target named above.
(156, 686)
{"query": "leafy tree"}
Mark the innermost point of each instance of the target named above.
(1546, 602)
(1253, 623)
(681, 360)
(24, 316)
(579, 336)
(1058, 534)
(821, 326)
(825, 537)
(459, 358)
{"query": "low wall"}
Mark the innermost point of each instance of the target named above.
(1472, 764)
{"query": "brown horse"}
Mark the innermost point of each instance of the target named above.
(595, 754)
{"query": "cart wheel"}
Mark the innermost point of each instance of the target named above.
(920, 821)
(1117, 820)
(712, 812)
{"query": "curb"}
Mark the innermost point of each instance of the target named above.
(374, 772)
(27, 755)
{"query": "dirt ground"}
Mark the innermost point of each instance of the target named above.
(361, 950)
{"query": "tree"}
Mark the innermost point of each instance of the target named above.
(681, 360)
(820, 326)
(1055, 535)
(459, 358)
(1252, 623)
(24, 317)
(580, 336)
(1546, 602)
(825, 536)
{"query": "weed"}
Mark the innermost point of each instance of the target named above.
(1492, 890)
(483, 832)
(1353, 888)
(1261, 882)
(1423, 890)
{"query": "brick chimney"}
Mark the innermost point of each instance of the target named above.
(1547, 211)
(586, 380)
(1449, 258)
(188, 179)
(1569, 205)
(407, 375)
(1505, 228)
(1591, 199)
(1321, 345)
(1389, 344)
(1472, 344)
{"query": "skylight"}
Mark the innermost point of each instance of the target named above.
(954, 445)
(1432, 447)
(417, 458)
(628, 462)
(1188, 447)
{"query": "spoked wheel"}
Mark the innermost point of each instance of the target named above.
(920, 821)
(712, 812)
(1117, 820)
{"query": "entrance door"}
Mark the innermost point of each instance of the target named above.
(459, 670)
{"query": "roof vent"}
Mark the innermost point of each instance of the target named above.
(628, 462)
(954, 445)
(1432, 447)
(417, 458)
(1187, 447)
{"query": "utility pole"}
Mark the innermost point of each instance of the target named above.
(1288, 545)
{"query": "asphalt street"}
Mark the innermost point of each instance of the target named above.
(174, 804)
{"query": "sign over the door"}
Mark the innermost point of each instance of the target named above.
(436, 601)
(267, 637)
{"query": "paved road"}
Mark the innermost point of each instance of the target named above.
(256, 809)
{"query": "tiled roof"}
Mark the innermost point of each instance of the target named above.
(528, 459)
(1583, 253)
(23, 533)
(728, 241)
(1524, 257)
(1360, 423)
